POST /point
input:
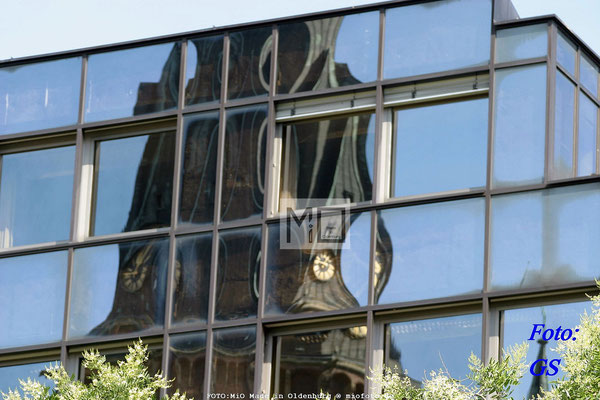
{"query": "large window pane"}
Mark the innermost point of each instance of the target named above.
(40, 95)
(436, 250)
(566, 52)
(187, 353)
(233, 352)
(192, 278)
(328, 361)
(329, 52)
(433, 344)
(119, 288)
(586, 139)
(249, 62)
(588, 75)
(27, 178)
(562, 166)
(522, 42)
(10, 376)
(441, 147)
(153, 363)
(545, 238)
(198, 175)
(520, 125)
(132, 82)
(437, 36)
(244, 162)
(32, 298)
(134, 183)
(203, 69)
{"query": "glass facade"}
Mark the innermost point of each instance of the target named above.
(439, 169)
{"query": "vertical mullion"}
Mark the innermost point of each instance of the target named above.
(82, 89)
(550, 103)
(63, 346)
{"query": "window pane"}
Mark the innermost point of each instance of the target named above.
(244, 162)
(27, 178)
(249, 62)
(545, 238)
(197, 197)
(119, 288)
(586, 153)
(520, 43)
(566, 53)
(131, 82)
(562, 166)
(329, 52)
(10, 376)
(328, 159)
(518, 326)
(32, 298)
(328, 361)
(186, 363)
(436, 250)
(237, 274)
(441, 147)
(520, 125)
(203, 69)
(134, 183)
(233, 361)
(40, 95)
(589, 75)
(319, 279)
(433, 344)
(192, 278)
(437, 36)
(154, 362)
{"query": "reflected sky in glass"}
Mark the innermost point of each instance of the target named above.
(523, 42)
(9, 376)
(586, 137)
(588, 75)
(203, 69)
(566, 53)
(562, 166)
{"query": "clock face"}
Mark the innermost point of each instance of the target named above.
(323, 267)
(133, 276)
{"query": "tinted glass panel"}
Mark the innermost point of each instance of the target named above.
(520, 43)
(237, 274)
(588, 74)
(437, 36)
(520, 125)
(233, 361)
(545, 238)
(132, 82)
(562, 166)
(329, 52)
(41, 95)
(435, 250)
(192, 277)
(566, 53)
(134, 183)
(518, 326)
(586, 139)
(27, 178)
(119, 288)
(441, 147)
(32, 298)
(317, 279)
(433, 344)
(186, 363)
(249, 62)
(203, 69)
(197, 197)
(328, 159)
(10, 376)
(329, 361)
(244, 163)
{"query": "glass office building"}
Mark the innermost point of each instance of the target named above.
(142, 185)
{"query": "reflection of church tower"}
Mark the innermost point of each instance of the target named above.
(540, 381)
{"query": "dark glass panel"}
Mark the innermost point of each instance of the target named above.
(187, 354)
(588, 75)
(437, 36)
(233, 352)
(545, 238)
(566, 52)
(249, 62)
(132, 82)
(319, 279)
(433, 344)
(237, 274)
(203, 69)
(192, 278)
(328, 361)
(328, 52)
(562, 166)
(244, 162)
(119, 288)
(328, 159)
(40, 95)
(198, 175)
(520, 43)
(27, 178)
(435, 250)
(441, 147)
(10, 376)
(32, 298)
(586, 138)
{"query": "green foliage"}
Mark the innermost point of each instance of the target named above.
(128, 380)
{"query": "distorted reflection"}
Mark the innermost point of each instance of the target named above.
(10, 376)
(203, 69)
(586, 136)
(187, 353)
(566, 53)
(562, 165)
(249, 62)
(331, 361)
(589, 74)
(233, 352)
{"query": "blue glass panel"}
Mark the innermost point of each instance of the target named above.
(562, 166)
(10, 376)
(588, 75)
(566, 52)
(586, 138)
(522, 42)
